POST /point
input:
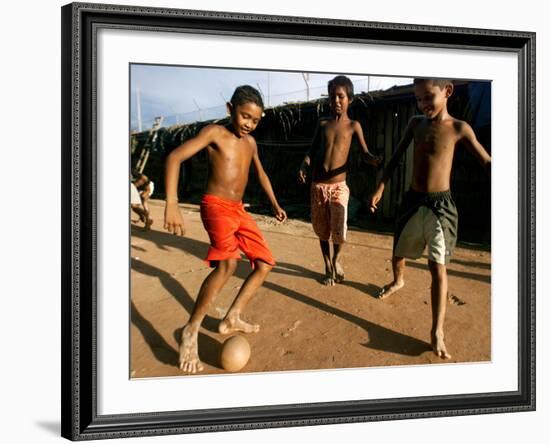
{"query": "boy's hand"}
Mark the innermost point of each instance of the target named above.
(280, 214)
(375, 160)
(375, 198)
(302, 175)
(173, 222)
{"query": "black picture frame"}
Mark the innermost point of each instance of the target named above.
(80, 420)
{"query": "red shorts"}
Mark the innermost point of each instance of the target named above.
(231, 229)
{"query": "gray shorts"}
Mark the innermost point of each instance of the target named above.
(426, 220)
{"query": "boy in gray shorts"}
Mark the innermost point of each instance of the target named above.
(428, 216)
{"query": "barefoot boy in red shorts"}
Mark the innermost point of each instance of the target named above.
(231, 151)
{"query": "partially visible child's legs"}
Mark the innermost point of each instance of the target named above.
(145, 202)
(189, 358)
(439, 305)
(139, 211)
(398, 268)
(232, 321)
(135, 203)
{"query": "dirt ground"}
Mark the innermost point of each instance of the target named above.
(304, 325)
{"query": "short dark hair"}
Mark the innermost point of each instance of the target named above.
(437, 82)
(344, 82)
(246, 94)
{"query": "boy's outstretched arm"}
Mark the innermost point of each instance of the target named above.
(265, 183)
(392, 164)
(371, 158)
(469, 139)
(173, 222)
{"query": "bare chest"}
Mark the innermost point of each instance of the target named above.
(435, 140)
(338, 134)
(231, 153)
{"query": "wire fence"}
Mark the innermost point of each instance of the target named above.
(272, 100)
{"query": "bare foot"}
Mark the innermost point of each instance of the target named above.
(438, 346)
(233, 323)
(390, 289)
(339, 273)
(189, 360)
(328, 280)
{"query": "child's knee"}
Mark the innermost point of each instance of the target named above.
(263, 267)
(228, 266)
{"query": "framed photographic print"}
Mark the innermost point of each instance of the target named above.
(324, 340)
